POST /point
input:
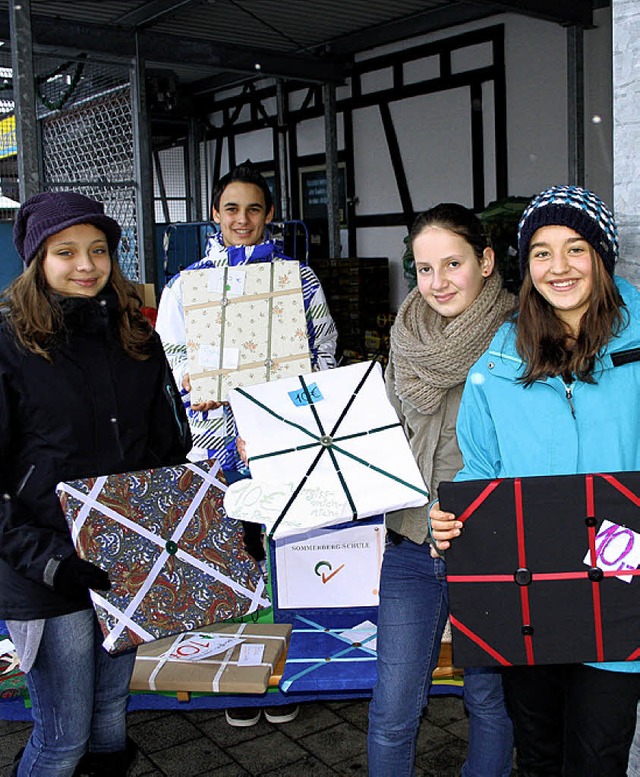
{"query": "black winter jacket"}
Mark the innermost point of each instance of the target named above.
(93, 411)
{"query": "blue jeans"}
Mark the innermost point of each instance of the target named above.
(411, 618)
(79, 695)
(412, 615)
(490, 751)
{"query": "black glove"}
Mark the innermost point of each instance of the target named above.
(74, 576)
(253, 540)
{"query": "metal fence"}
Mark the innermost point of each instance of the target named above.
(85, 118)
(9, 194)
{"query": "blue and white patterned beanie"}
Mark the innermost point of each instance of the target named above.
(576, 208)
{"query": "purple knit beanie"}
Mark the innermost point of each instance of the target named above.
(49, 212)
(576, 208)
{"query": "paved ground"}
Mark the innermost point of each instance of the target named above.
(327, 739)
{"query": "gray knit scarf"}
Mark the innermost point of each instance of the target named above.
(432, 354)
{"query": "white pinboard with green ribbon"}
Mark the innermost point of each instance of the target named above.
(323, 448)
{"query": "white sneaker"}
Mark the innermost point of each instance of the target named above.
(284, 713)
(242, 716)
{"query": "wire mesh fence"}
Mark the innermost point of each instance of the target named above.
(86, 125)
(169, 184)
(85, 121)
(9, 193)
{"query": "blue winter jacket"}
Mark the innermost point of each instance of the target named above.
(550, 428)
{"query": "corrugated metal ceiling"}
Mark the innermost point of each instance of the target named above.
(296, 39)
(294, 26)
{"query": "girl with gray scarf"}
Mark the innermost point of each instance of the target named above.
(442, 328)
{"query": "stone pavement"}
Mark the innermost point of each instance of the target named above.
(326, 739)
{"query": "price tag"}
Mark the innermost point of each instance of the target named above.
(209, 358)
(196, 647)
(251, 654)
(617, 549)
(232, 287)
(300, 397)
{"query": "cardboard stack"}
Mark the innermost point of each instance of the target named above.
(357, 291)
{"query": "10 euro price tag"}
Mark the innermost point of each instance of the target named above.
(617, 550)
(196, 647)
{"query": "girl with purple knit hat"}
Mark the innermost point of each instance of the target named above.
(85, 390)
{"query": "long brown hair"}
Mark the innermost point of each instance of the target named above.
(35, 314)
(542, 340)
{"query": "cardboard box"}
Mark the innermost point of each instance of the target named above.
(147, 293)
(244, 325)
(546, 570)
(160, 667)
(175, 560)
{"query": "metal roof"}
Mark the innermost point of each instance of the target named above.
(211, 43)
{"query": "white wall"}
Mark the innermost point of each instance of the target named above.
(376, 188)
(536, 68)
(626, 55)
(434, 176)
(598, 129)
(433, 131)
(310, 135)
(256, 146)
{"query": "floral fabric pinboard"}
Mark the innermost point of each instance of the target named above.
(244, 325)
(175, 559)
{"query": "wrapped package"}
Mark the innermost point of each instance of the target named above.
(336, 652)
(223, 658)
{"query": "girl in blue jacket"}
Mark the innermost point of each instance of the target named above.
(549, 397)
